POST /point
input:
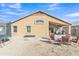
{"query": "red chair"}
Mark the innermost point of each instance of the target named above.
(65, 39)
(77, 40)
(52, 36)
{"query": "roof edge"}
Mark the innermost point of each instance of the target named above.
(43, 13)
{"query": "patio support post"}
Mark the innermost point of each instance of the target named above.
(69, 31)
(54, 30)
(61, 28)
(76, 30)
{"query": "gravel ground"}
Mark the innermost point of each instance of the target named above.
(20, 47)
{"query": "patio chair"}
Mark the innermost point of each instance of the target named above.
(52, 36)
(77, 40)
(52, 39)
(65, 39)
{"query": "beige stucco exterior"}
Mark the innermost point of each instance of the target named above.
(36, 29)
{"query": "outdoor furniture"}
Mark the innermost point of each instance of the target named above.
(65, 39)
(52, 39)
(52, 36)
(73, 38)
(3, 39)
(77, 40)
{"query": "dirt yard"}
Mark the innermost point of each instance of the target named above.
(37, 48)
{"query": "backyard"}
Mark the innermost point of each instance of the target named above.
(19, 47)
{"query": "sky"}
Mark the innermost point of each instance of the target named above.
(10, 12)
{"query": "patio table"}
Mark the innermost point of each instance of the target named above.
(59, 37)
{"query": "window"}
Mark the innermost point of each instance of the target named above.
(39, 21)
(1, 29)
(28, 28)
(15, 28)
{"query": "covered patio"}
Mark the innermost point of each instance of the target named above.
(59, 29)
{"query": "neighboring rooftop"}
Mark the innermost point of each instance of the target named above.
(2, 23)
(75, 23)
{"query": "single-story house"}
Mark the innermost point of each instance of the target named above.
(75, 28)
(39, 24)
(5, 31)
(2, 28)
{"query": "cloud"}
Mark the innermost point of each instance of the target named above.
(15, 13)
(54, 6)
(2, 4)
(14, 5)
(21, 10)
(7, 9)
(73, 14)
(3, 16)
(11, 12)
(17, 5)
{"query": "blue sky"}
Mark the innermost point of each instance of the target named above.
(13, 11)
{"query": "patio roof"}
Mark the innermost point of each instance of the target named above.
(57, 24)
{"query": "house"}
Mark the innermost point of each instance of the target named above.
(2, 28)
(75, 28)
(4, 31)
(39, 24)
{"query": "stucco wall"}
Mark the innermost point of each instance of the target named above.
(37, 29)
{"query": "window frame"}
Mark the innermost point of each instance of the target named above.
(14, 28)
(39, 22)
(28, 29)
